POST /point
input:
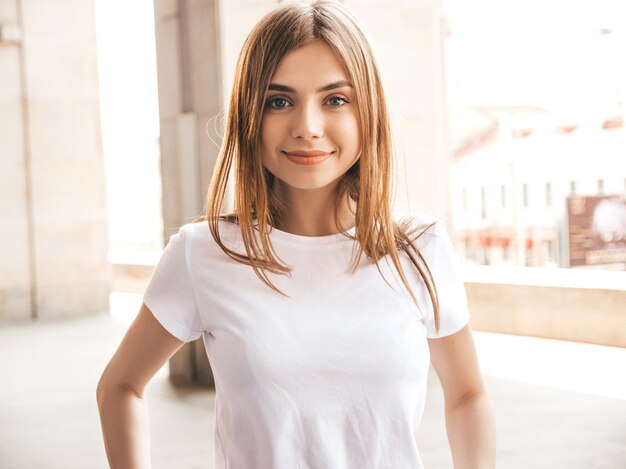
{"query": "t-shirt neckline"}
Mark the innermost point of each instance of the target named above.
(277, 234)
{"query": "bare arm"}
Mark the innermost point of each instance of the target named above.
(470, 422)
(120, 394)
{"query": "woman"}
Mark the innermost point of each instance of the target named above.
(318, 308)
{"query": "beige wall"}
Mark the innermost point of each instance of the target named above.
(592, 315)
(53, 239)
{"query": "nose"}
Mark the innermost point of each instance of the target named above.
(308, 122)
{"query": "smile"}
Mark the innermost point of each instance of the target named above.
(307, 157)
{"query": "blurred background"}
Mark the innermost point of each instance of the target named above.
(509, 123)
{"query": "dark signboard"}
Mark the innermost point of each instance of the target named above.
(597, 230)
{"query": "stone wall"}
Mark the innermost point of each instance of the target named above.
(592, 315)
(53, 239)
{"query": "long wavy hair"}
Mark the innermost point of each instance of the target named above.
(368, 182)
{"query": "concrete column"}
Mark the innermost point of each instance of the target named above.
(15, 268)
(190, 100)
(190, 83)
(53, 239)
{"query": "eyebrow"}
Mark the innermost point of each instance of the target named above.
(331, 86)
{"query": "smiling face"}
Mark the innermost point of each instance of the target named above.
(310, 131)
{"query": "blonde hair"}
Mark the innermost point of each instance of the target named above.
(368, 183)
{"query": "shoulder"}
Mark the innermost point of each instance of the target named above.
(199, 230)
(198, 235)
(195, 230)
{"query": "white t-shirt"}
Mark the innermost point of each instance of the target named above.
(331, 376)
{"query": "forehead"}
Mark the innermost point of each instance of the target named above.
(315, 64)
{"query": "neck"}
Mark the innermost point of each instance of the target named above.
(311, 212)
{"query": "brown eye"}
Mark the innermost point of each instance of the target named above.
(277, 103)
(337, 101)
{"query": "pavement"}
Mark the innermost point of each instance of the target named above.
(557, 404)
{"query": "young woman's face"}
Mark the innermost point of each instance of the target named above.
(310, 131)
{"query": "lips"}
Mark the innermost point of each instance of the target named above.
(308, 153)
(307, 157)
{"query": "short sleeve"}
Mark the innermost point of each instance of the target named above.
(445, 264)
(170, 294)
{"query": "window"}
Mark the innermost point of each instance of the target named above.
(525, 194)
(503, 195)
(572, 188)
(548, 194)
(600, 186)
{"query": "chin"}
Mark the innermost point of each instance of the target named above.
(311, 183)
(308, 185)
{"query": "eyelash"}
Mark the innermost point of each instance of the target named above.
(268, 103)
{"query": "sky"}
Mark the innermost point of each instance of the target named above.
(127, 72)
(548, 53)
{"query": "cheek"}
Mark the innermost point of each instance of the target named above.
(348, 131)
(270, 141)
(264, 132)
(270, 132)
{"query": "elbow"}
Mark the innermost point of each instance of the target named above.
(105, 391)
(100, 392)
